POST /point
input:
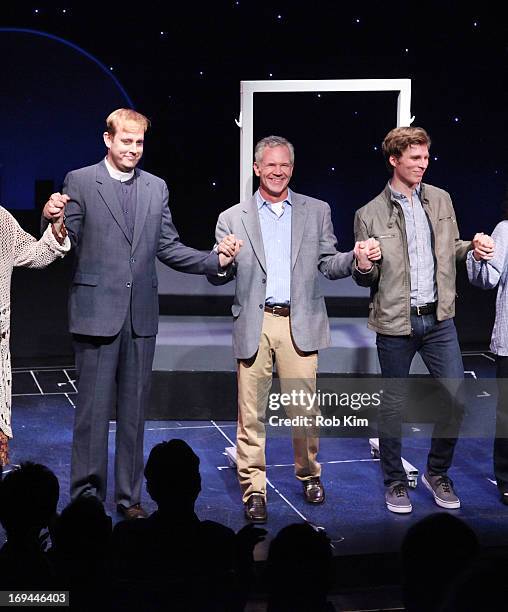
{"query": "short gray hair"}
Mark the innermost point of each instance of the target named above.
(273, 141)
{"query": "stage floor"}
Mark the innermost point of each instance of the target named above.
(354, 515)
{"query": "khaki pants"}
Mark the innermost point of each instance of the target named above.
(297, 371)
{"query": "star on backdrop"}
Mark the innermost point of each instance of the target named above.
(183, 66)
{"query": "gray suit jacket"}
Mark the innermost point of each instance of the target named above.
(110, 270)
(313, 249)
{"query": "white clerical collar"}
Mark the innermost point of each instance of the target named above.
(118, 175)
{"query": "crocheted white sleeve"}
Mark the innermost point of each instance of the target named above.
(32, 253)
(17, 248)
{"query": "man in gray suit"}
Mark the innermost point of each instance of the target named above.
(118, 220)
(279, 312)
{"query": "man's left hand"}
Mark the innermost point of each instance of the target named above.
(55, 206)
(366, 252)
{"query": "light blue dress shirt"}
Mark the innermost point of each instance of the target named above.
(419, 246)
(276, 233)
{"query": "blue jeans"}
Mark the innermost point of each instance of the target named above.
(437, 343)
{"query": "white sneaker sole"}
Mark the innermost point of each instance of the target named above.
(399, 509)
(442, 503)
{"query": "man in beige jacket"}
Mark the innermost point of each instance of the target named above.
(413, 305)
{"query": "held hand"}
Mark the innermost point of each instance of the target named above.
(373, 249)
(55, 207)
(361, 252)
(228, 248)
(483, 247)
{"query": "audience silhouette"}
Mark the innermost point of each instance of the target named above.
(80, 552)
(299, 570)
(28, 501)
(480, 587)
(172, 560)
(428, 567)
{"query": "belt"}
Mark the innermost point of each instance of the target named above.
(279, 311)
(424, 309)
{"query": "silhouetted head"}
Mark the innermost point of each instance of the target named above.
(172, 474)
(422, 551)
(28, 498)
(83, 528)
(299, 568)
(482, 586)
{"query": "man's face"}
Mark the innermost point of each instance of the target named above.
(274, 171)
(125, 148)
(410, 167)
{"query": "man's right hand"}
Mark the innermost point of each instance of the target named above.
(55, 206)
(228, 248)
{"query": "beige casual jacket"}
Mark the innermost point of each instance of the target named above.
(389, 280)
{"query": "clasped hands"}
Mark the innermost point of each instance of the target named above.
(366, 252)
(54, 210)
(228, 248)
(483, 247)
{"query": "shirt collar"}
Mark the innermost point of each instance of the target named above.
(118, 175)
(260, 202)
(400, 196)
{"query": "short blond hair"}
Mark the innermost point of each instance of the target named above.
(121, 115)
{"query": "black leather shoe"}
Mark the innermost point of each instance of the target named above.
(313, 490)
(504, 497)
(132, 512)
(255, 509)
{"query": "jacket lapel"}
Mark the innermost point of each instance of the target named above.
(143, 195)
(250, 220)
(109, 197)
(298, 219)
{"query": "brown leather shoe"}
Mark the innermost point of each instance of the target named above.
(132, 512)
(313, 490)
(255, 509)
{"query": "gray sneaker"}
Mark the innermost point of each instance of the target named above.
(397, 499)
(441, 488)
